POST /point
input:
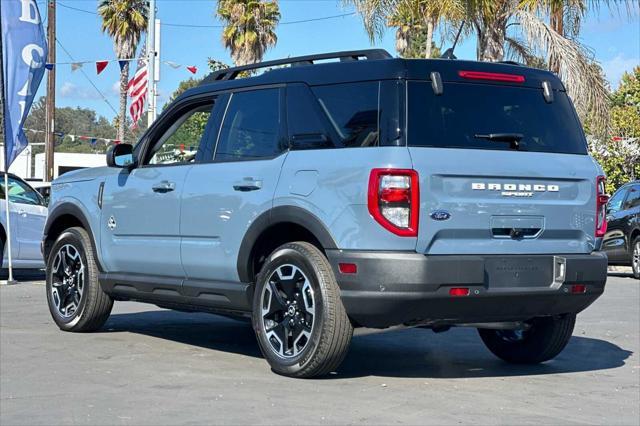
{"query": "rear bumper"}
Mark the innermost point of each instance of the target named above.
(392, 288)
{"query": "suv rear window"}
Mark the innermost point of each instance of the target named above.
(464, 110)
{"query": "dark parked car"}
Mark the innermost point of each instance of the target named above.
(622, 240)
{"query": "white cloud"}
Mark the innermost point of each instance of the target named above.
(70, 90)
(615, 67)
(115, 88)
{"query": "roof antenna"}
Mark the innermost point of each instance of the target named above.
(448, 54)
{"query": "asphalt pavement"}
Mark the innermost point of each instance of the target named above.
(153, 366)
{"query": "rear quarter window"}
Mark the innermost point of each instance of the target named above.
(465, 110)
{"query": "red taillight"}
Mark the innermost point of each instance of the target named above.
(394, 200)
(348, 268)
(601, 207)
(459, 291)
(578, 288)
(479, 75)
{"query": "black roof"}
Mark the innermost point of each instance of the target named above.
(374, 65)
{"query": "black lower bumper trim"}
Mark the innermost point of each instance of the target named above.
(392, 288)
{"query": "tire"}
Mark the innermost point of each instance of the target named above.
(635, 258)
(297, 277)
(92, 306)
(544, 340)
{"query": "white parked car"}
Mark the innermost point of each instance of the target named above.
(28, 213)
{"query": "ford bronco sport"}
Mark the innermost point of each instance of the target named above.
(327, 195)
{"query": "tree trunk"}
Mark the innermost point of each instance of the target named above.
(122, 119)
(429, 41)
(556, 22)
(491, 38)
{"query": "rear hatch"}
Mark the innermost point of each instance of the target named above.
(503, 169)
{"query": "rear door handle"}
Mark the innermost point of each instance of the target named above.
(248, 184)
(164, 187)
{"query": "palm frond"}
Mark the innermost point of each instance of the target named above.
(581, 75)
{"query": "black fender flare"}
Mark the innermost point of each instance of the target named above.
(69, 209)
(280, 214)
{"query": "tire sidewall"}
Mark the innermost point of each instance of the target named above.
(69, 237)
(635, 270)
(283, 256)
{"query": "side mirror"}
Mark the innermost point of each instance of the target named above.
(310, 141)
(120, 155)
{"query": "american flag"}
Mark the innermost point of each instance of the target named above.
(137, 89)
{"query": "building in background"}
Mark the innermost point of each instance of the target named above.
(67, 161)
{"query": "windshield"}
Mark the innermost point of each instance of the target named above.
(465, 115)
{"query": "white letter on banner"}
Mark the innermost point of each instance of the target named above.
(27, 55)
(30, 12)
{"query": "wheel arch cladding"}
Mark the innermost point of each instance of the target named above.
(63, 217)
(275, 227)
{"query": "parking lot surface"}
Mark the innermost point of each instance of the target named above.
(153, 366)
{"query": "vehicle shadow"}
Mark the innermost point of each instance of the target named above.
(23, 275)
(620, 274)
(458, 353)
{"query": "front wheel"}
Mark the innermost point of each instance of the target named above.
(545, 338)
(76, 301)
(300, 323)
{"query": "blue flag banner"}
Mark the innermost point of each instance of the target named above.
(24, 54)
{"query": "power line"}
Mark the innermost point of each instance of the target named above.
(88, 78)
(169, 24)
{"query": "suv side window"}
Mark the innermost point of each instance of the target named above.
(20, 192)
(181, 142)
(615, 203)
(633, 199)
(251, 127)
(352, 109)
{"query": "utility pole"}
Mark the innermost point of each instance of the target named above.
(50, 107)
(151, 61)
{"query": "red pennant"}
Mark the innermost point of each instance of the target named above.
(101, 65)
(193, 69)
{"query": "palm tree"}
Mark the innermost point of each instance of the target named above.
(517, 29)
(125, 21)
(410, 17)
(250, 28)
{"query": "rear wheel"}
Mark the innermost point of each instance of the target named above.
(545, 338)
(300, 323)
(76, 301)
(635, 258)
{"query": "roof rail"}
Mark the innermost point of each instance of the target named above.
(352, 55)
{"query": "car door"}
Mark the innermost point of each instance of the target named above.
(223, 197)
(29, 213)
(614, 241)
(140, 224)
(630, 217)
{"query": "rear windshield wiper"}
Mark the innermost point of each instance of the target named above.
(513, 138)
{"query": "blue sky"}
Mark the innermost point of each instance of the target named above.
(614, 39)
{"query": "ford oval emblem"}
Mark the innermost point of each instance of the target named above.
(440, 215)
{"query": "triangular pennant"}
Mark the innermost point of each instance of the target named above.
(193, 69)
(173, 65)
(101, 65)
(122, 64)
(59, 134)
(93, 141)
(72, 137)
(49, 66)
(76, 65)
(83, 138)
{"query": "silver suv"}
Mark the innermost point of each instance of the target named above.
(323, 196)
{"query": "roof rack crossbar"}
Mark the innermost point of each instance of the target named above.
(353, 55)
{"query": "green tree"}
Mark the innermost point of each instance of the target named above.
(125, 21)
(249, 28)
(619, 154)
(69, 121)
